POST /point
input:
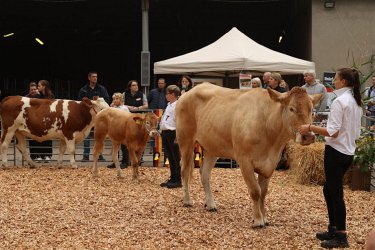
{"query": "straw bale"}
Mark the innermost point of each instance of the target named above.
(306, 163)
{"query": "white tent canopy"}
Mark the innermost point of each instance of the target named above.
(234, 51)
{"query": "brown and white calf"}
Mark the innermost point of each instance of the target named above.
(130, 129)
(46, 119)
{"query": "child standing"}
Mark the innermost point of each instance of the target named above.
(168, 127)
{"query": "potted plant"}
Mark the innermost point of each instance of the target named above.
(363, 162)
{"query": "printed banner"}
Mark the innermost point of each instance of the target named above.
(245, 79)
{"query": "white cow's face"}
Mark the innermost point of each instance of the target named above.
(100, 104)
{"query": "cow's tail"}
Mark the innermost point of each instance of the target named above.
(187, 161)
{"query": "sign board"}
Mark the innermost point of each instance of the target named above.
(328, 78)
(245, 80)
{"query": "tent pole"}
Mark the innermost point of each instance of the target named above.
(226, 79)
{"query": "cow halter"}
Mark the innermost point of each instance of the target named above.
(93, 108)
(149, 128)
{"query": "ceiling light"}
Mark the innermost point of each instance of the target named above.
(8, 35)
(39, 41)
(329, 4)
(280, 38)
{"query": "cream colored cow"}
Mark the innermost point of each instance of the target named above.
(249, 126)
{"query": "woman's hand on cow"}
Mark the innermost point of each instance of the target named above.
(304, 129)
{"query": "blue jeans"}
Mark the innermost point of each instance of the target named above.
(86, 145)
(372, 115)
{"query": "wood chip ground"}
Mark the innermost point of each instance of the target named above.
(50, 208)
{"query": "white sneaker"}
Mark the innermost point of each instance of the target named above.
(47, 159)
(39, 159)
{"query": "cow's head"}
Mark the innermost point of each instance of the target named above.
(150, 121)
(97, 105)
(297, 108)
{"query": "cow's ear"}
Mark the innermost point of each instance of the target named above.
(316, 98)
(138, 120)
(278, 97)
(86, 101)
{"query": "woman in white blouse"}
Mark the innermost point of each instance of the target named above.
(343, 128)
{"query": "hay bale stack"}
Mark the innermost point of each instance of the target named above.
(306, 162)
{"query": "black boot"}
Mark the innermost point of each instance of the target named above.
(112, 165)
(339, 240)
(326, 235)
(123, 165)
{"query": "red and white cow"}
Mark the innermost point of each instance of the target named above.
(132, 130)
(46, 119)
(251, 127)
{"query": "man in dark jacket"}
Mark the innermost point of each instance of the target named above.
(156, 98)
(92, 90)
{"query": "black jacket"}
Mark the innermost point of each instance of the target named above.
(156, 99)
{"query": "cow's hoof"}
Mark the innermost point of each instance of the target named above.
(188, 205)
(210, 209)
(258, 225)
(214, 209)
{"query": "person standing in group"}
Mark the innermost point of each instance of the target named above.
(34, 146)
(266, 79)
(156, 98)
(168, 128)
(256, 83)
(313, 86)
(45, 92)
(118, 102)
(134, 98)
(274, 82)
(342, 130)
(371, 103)
(92, 90)
(185, 83)
(33, 90)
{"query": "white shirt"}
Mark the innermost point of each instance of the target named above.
(168, 121)
(345, 117)
(122, 107)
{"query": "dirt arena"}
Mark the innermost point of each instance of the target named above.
(50, 208)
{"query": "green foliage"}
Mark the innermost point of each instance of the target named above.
(364, 76)
(365, 151)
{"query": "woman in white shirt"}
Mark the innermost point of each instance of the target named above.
(343, 128)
